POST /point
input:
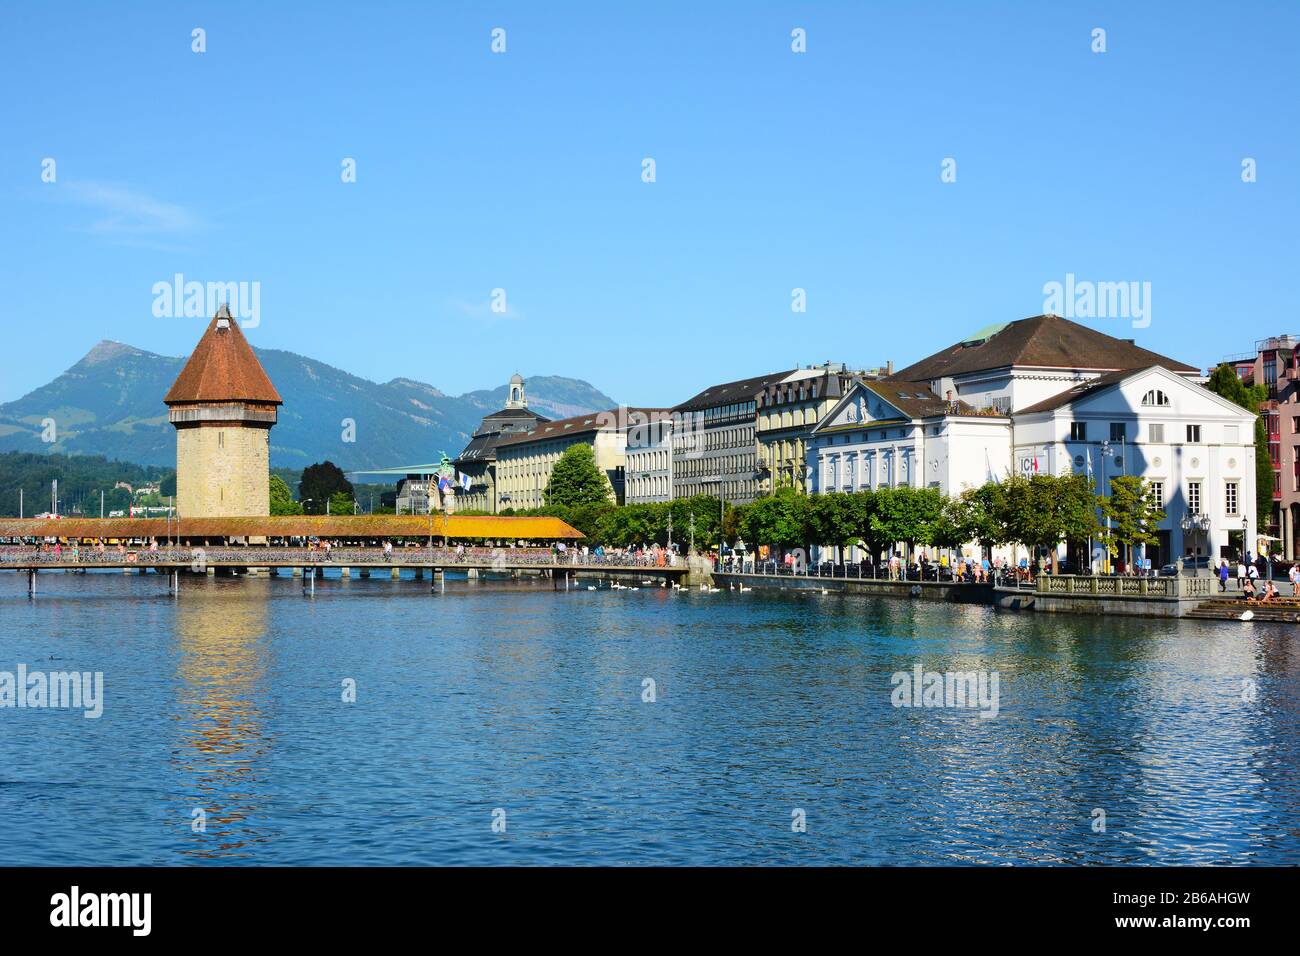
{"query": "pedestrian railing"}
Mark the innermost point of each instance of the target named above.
(256, 556)
(1179, 586)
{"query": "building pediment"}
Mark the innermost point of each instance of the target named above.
(861, 406)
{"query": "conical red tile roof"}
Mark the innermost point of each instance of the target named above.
(222, 368)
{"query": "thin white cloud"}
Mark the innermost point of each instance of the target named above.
(127, 215)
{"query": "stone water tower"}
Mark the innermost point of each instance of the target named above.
(223, 406)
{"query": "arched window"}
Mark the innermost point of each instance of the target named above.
(1156, 397)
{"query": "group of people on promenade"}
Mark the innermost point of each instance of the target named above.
(1252, 584)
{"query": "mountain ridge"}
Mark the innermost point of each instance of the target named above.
(109, 403)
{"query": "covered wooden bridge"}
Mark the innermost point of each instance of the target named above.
(310, 544)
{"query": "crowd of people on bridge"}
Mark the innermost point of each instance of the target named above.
(325, 550)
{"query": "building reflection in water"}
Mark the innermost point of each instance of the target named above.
(222, 683)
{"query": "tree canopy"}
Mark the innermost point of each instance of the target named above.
(1041, 511)
(1134, 515)
(282, 502)
(576, 480)
(320, 483)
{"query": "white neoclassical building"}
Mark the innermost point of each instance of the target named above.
(1052, 396)
(887, 433)
(1195, 449)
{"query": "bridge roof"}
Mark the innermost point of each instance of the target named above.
(299, 526)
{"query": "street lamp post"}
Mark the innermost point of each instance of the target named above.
(1245, 530)
(1193, 524)
(1105, 488)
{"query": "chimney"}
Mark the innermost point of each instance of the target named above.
(889, 367)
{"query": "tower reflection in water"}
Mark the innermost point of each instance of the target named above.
(223, 689)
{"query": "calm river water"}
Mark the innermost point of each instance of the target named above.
(512, 697)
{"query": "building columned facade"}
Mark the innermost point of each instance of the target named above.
(1048, 396)
(223, 407)
(888, 433)
(525, 460)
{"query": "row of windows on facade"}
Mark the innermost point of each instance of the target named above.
(648, 461)
(722, 412)
(695, 442)
(1155, 433)
(1231, 489)
(733, 490)
(791, 393)
(883, 435)
(656, 486)
(693, 467)
(787, 419)
(868, 473)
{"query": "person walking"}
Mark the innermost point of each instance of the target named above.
(1223, 574)
(1241, 573)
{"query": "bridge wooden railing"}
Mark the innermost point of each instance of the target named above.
(197, 558)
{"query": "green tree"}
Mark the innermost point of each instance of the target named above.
(834, 520)
(1134, 516)
(341, 503)
(733, 522)
(905, 514)
(707, 513)
(780, 519)
(320, 483)
(1043, 510)
(575, 479)
(81, 480)
(983, 511)
(951, 529)
(1225, 382)
(282, 502)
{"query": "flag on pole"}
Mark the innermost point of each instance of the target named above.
(988, 467)
(444, 483)
(465, 481)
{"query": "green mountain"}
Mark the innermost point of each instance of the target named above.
(110, 403)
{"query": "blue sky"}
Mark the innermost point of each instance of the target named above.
(522, 171)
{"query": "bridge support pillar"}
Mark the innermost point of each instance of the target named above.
(309, 581)
(31, 583)
(365, 572)
(345, 572)
(419, 574)
(396, 574)
(173, 582)
(296, 572)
